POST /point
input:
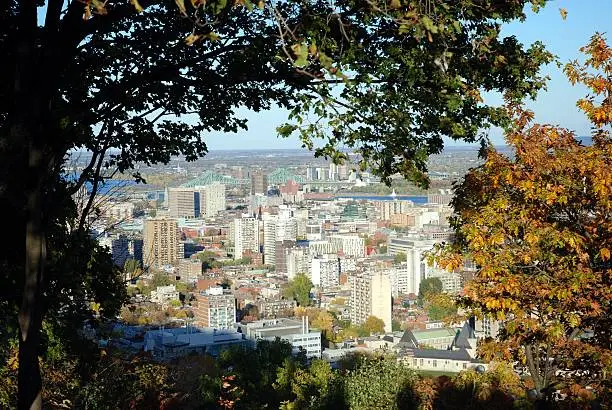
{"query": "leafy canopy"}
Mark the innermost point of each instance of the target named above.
(539, 228)
(299, 289)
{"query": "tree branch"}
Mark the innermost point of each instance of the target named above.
(94, 189)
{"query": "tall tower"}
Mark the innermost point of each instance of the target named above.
(160, 242)
(212, 199)
(371, 296)
(245, 235)
(259, 183)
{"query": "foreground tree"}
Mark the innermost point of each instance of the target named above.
(539, 228)
(123, 80)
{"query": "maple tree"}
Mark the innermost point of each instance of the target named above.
(136, 82)
(539, 227)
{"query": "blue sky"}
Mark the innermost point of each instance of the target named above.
(557, 105)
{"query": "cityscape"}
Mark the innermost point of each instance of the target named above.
(228, 242)
(306, 204)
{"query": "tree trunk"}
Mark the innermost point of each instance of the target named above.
(37, 68)
(30, 314)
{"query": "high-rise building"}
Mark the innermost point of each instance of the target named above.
(183, 202)
(282, 227)
(281, 251)
(297, 261)
(160, 242)
(120, 250)
(135, 248)
(352, 245)
(259, 183)
(325, 271)
(269, 239)
(416, 268)
(245, 235)
(212, 199)
(387, 209)
(371, 296)
(216, 308)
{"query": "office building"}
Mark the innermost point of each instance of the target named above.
(120, 250)
(183, 203)
(212, 199)
(259, 183)
(295, 332)
(160, 242)
(371, 296)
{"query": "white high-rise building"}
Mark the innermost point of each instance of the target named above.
(351, 245)
(245, 235)
(417, 268)
(212, 199)
(269, 237)
(371, 296)
(297, 261)
(277, 228)
(325, 271)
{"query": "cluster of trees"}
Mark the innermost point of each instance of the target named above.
(210, 261)
(298, 289)
(400, 257)
(266, 376)
(437, 304)
(336, 330)
(153, 315)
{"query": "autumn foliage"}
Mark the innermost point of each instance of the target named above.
(538, 225)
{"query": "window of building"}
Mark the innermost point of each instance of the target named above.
(435, 363)
(465, 365)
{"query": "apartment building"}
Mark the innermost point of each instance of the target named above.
(160, 242)
(216, 308)
(371, 296)
(244, 232)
